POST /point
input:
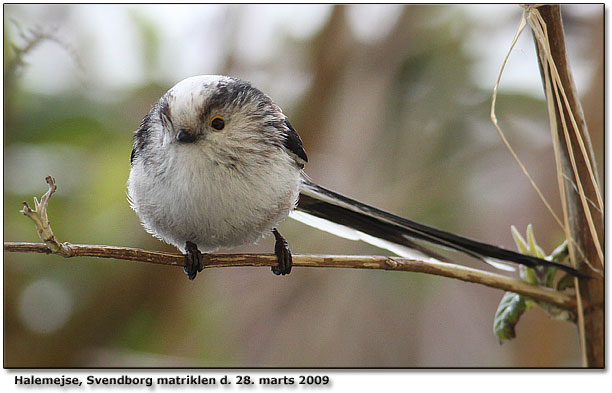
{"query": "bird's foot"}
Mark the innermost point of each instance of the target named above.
(193, 260)
(283, 255)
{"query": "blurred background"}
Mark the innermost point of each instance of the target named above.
(392, 103)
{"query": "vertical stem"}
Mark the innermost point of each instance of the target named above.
(590, 292)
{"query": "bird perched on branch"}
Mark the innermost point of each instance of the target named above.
(216, 163)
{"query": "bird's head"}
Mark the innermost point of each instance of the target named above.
(218, 108)
(224, 118)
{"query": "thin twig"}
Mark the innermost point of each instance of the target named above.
(493, 116)
(463, 273)
(67, 250)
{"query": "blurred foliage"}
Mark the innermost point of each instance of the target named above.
(397, 121)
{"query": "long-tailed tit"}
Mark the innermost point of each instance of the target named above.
(216, 163)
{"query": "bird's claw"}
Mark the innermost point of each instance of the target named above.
(193, 260)
(283, 255)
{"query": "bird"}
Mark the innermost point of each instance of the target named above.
(216, 164)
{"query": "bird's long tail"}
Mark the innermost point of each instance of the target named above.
(342, 216)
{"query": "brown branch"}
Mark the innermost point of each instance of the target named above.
(585, 220)
(67, 250)
(463, 273)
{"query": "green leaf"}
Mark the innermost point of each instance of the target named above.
(521, 244)
(526, 273)
(512, 305)
(508, 313)
(534, 249)
(567, 281)
(560, 253)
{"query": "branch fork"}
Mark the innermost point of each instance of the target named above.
(41, 221)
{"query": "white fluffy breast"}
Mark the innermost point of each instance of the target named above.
(213, 203)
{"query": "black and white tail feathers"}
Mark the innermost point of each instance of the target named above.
(345, 217)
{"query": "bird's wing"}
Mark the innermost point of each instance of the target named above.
(294, 146)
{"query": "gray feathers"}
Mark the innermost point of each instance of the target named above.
(227, 96)
(215, 188)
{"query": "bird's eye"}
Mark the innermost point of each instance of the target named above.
(217, 123)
